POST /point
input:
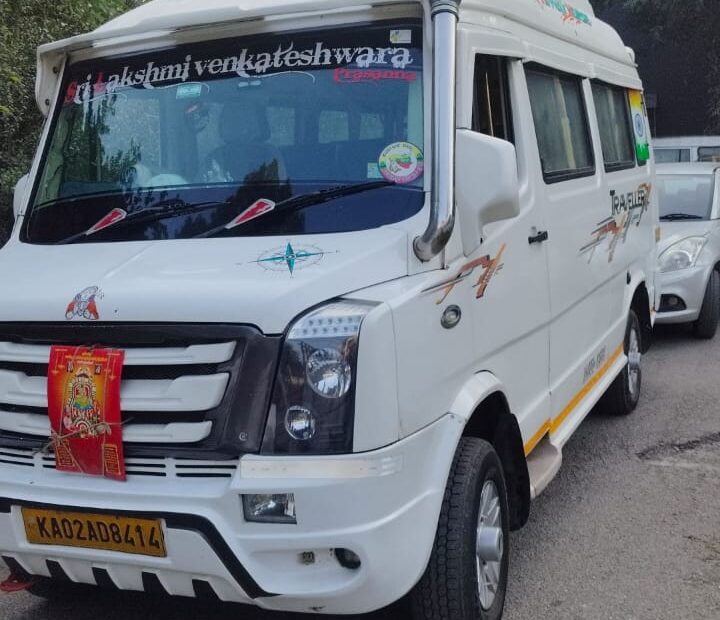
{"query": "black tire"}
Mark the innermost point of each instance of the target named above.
(707, 323)
(449, 588)
(620, 399)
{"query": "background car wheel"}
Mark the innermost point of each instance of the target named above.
(466, 578)
(623, 394)
(707, 323)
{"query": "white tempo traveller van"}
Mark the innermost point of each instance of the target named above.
(369, 266)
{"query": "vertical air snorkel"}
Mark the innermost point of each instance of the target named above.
(444, 15)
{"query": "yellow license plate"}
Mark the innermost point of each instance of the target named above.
(94, 531)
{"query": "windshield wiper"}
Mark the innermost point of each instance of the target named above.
(161, 211)
(680, 216)
(296, 203)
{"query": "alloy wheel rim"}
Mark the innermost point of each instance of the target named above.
(490, 544)
(634, 359)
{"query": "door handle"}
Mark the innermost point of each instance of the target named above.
(539, 238)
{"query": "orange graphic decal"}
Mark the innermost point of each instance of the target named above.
(490, 266)
(627, 210)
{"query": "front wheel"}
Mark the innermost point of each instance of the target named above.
(707, 323)
(466, 578)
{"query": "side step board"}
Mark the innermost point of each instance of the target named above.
(543, 463)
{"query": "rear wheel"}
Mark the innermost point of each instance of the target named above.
(707, 323)
(466, 578)
(623, 395)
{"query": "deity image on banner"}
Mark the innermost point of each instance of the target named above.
(84, 410)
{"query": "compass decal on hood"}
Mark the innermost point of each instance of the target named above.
(291, 258)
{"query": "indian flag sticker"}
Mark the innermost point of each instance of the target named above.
(401, 163)
(637, 107)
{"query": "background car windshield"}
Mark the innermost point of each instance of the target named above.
(207, 130)
(686, 194)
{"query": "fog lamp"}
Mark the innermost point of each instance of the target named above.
(270, 508)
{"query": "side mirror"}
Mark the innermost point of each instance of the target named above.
(486, 184)
(19, 195)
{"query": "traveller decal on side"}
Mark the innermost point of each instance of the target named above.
(490, 266)
(626, 210)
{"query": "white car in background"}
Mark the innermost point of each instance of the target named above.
(689, 252)
(686, 148)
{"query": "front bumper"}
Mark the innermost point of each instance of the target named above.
(382, 505)
(688, 285)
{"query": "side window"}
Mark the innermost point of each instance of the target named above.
(709, 153)
(671, 156)
(616, 132)
(334, 126)
(491, 101)
(282, 125)
(561, 125)
(372, 126)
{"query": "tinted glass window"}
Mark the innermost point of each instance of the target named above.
(685, 195)
(561, 125)
(616, 133)
(491, 102)
(709, 153)
(671, 156)
(190, 138)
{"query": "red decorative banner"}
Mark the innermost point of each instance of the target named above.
(84, 408)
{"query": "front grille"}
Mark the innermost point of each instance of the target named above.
(148, 467)
(188, 391)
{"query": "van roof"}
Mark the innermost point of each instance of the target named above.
(574, 23)
(574, 20)
(686, 141)
(687, 168)
(182, 13)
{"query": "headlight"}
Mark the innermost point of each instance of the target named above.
(313, 405)
(682, 255)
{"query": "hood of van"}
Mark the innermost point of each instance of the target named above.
(672, 232)
(263, 281)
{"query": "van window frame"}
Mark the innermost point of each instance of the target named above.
(506, 108)
(630, 131)
(581, 173)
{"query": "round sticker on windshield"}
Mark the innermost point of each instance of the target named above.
(401, 163)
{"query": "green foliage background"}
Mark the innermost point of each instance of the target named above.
(25, 24)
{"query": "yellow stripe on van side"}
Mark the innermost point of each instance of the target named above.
(551, 426)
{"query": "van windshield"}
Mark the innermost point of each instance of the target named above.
(685, 196)
(301, 133)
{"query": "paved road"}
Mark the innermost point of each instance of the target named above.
(629, 530)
